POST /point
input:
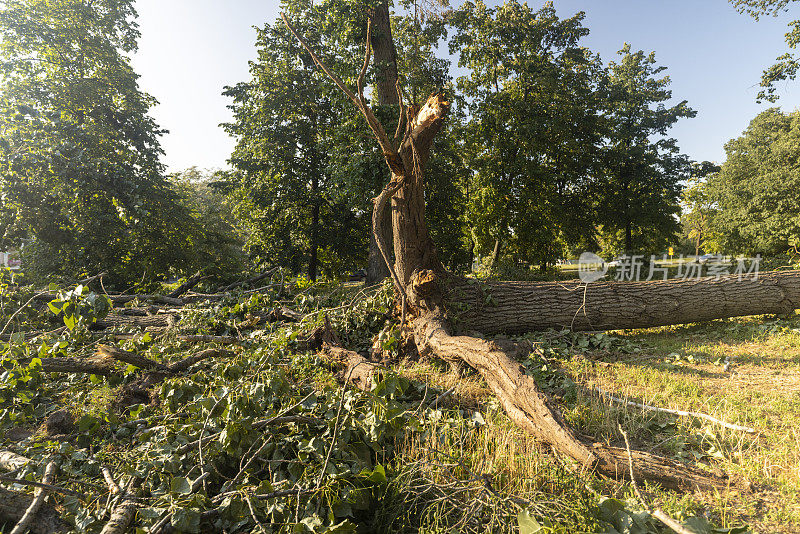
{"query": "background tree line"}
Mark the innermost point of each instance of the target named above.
(550, 150)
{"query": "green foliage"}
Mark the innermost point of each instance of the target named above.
(79, 156)
(79, 306)
(215, 241)
(298, 213)
(639, 190)
(533, 130)
(757, 191)
(699, 209)
(787, 64)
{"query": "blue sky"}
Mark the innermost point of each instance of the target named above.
(191, 49)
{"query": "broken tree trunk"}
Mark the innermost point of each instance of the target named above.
(415, 256)
(518, 307)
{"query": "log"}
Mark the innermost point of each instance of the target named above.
(11, 461)
(112, 321)
(190, 282)
(73, 365)
(107, 351)
(125, 510)
(24, 523)
(529, 409)
(13, 506)
(519, 307)
(357, 370)
(189, 361)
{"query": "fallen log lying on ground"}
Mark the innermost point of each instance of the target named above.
(102, 363)
(518, 307)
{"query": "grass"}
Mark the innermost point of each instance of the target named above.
(681, 367)
(460, 466)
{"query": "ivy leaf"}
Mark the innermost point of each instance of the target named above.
(181, 485)
(527, 524)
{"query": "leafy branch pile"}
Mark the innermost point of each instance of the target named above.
(230, 418)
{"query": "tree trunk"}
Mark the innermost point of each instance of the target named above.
(495, 254)
(518, 307)
(377, 269)
(314, 246)
(426, 290)
(386, 95)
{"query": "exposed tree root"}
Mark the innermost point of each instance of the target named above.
(528, 407)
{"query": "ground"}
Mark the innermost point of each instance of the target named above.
(427, 449)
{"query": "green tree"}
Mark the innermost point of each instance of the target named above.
(638, 192)
(80, 174)
(534, 127)
(787, 64)
(214, 243)
(758, 188)
(297, 214)
(698, 208)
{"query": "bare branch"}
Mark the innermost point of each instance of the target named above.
(380, 135)
(682, 413)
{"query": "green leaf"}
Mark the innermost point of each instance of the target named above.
(344, 526)
(378, 475)
(55, 306)
(17, 338)
(181, 485)
(527, 524)
(69, 320)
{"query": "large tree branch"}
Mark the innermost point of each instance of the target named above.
(389, 152)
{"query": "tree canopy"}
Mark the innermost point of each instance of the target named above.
(81, 177)
(757, 191)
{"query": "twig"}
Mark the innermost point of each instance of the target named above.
(42, 485)
(25, 521)
(681, 413)
(658, 513)
(335, 428)
(36, 296)
(441, 397)
(377, 130)
(159, 527)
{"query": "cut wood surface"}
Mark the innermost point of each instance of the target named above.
(357, 370)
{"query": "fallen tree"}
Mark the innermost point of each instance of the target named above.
(434, 300)
(515, 307)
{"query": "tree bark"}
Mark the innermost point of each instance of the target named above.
(385, 95)
(530, 409)
(377, 269)
(518, 307)
(13, 506)
(495, 253)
